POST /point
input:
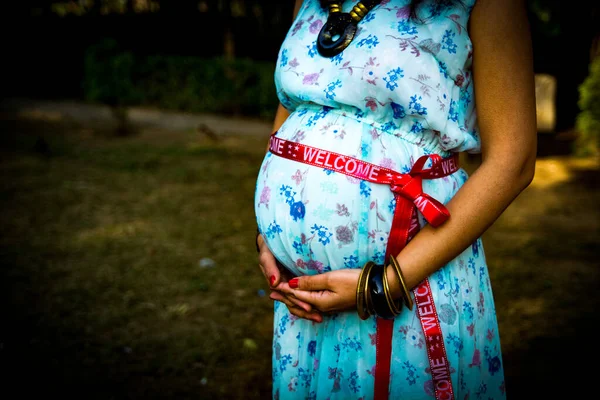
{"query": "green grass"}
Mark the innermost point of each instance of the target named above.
(103, 296)
(100, 251)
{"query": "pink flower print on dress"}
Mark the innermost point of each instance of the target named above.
(403, 12)
(476, 361)
(447, 140)
(372, 235)
(315, 26)
(312, 79)
(471, 328)
(342, 210)
(413, 336)
(298, 136)
(447, 314)
(371, 102)
(372, 370)
(314, 266)
(266, 167)
(387, 162)
(336, 131)
(297, 27)
(455, 18)
(265, 196)
(293, 383)
(344, 235)
(369, 73)
(375, 134)
(298, 177)
(481, 303)
(373, 337)
(353, 180)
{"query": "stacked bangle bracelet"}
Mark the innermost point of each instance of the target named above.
(380, 295)
(405, 292)
(362, 294)
(373, 295)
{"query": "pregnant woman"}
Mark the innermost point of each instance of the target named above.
(369, 229)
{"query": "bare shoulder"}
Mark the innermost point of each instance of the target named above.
(503, 72)
(501, 37)
(490, 17)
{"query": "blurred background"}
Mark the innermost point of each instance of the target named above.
(131, 132)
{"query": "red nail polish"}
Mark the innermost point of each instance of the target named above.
(293, 283)
(272, 279)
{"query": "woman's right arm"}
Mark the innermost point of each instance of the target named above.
(280, 117)
(267, 262)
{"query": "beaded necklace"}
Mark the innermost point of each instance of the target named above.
(340, 28)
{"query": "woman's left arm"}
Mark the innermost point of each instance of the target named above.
(503, 79)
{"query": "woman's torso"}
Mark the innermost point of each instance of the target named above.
(407, 76)
(399, 91)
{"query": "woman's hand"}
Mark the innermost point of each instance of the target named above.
(329, 292)
(277, 277)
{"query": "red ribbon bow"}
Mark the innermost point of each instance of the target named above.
(408, 191)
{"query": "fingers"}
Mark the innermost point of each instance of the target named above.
(278, 281)
(284, 289)
(312, 290)
(320, 300)
(268, 264)
(314, 282)
(293, 309)
(284, 299)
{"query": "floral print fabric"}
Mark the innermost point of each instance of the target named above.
(399, 91)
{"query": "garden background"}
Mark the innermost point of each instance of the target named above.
(131, 132)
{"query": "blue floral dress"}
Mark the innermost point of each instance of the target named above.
(401, 90)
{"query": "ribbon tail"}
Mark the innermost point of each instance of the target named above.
(400, 227)
(434, 212)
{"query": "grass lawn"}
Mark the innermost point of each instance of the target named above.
(128, 268)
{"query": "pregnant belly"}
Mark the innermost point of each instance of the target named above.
(315, 219)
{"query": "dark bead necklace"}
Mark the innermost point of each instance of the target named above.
(340, 28)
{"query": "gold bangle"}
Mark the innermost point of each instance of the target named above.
(355, 16)
(358, 11)
(394, 308)
(361, 291)
(405, 292)
(362, 7)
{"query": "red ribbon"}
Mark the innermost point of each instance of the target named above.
(436, 351)
(409, 196)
